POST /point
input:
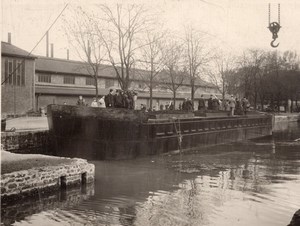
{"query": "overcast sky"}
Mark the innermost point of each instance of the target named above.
(233, 25)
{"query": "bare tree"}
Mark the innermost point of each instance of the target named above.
(173, 75)
(120, 32)
(224, 67)
(197, 56)
(88, 46)
(151, 60)
(250, 67)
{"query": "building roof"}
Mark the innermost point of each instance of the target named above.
(62, 66)
(8, 49)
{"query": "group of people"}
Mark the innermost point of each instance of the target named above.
(121, 99)
(95, 103)
(237, 106)
(213, 103)
(234, 105)
(186, 105)
(127, 99)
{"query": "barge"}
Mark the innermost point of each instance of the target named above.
(114, 133)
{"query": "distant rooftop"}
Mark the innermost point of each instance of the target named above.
(8, 49)
(56, 66)
(72, 67)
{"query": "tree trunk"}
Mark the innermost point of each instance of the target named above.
(192, 90)
(255, 100)
(150, 96)
(174, 98)
(96, 87)
(151, 85)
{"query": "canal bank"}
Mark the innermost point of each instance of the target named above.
(23, 175)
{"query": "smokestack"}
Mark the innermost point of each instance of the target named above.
(9, 38)
(47, 44)
(52, 49)
(67, 54)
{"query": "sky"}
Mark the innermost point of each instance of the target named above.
(232, 25)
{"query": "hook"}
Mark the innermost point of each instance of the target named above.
(272, 43)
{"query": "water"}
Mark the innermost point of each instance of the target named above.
(250, 183)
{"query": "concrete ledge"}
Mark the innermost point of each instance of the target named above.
(66, 173)
(287, 118)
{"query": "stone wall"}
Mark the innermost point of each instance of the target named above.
(26, 142)
(24, 181)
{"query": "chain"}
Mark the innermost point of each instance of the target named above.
(279, 14)
(269, 13)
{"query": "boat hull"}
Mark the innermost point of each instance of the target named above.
(95, 133)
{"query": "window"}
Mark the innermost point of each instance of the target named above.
(109, 83)
(69, 79)
(14, 71)
(89, 81)
(44, 78)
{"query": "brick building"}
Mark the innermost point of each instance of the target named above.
(17, 73)
(40, 81)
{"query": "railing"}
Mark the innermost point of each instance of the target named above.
(187, 126)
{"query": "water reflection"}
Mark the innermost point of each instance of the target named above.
(248, 183)
(13, 211)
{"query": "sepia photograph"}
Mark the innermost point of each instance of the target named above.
(150, 113)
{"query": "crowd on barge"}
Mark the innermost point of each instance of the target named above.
(121, 99)
(127, 99)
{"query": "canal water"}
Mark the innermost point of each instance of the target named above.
(249, 183)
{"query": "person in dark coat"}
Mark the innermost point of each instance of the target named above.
(189, 105)
(81, 101)
(201, 103)
(215, 104)
(109, 99)
(210, 103)
(245, 105)
(118, 100)
(184, 105)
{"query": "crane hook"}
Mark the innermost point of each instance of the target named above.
(273, 45)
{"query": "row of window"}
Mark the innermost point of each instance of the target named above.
(67, 79)
(14, 72)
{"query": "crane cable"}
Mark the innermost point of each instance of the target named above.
(5, 79)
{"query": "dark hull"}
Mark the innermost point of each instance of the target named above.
(95, 133)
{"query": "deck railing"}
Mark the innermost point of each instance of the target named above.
(187, 126)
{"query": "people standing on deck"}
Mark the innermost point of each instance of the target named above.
(180, 106)
(238, 107)
(245, 105)
(201, 103)
(171, 106)
(102, 102)
(226, 105)
(161, 107)
(94, 103)
(215, 103)
(232, 105)
(167, 106)
(189, 105)
(118, 100)
(109, 99)
(184, 105)
(210, 103)
(81, 101)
